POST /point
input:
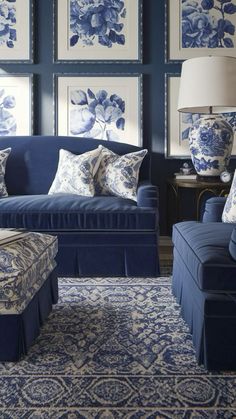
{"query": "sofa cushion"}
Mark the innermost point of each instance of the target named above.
(3, 161)
(68, 211)
(75, 173)
(213, 209)
(229, 212)
(232, 244)
(205, 251)
(118, 175)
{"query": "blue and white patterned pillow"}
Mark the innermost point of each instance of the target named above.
(3, 160)
(229, 212)
(118, 175)
(75, 173)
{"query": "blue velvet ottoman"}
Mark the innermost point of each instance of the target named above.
(204, 283)
(28, 288)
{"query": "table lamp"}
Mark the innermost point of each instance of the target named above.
(208, 86)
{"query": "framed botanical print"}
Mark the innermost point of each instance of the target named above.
(102, 106)
(178, 124)
(107, 31)
(16, 104)
(16, 31)
(200, 27)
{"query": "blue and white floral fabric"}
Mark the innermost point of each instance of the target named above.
(24, 266)
(118, 175)
(75, 173)
(229, 213)
(3, 160)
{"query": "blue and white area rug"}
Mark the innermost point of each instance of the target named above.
(112, 349)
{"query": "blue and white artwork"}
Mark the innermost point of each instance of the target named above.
(15, 104)
(96, 114)
(8, 32)
(8, 124)
(208, 23)
(179, 124)
(15, 30)
(197, 28)
(105, 107)
(93, 21)
(98, 30)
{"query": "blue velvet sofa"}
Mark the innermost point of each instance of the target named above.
(204, 283)
(98, 236)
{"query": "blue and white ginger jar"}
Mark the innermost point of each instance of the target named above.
(211, 142)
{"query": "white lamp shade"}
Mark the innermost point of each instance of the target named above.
(208, 82)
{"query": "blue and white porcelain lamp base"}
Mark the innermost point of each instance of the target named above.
(208, 87)
(211, 141)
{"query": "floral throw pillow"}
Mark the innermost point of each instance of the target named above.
(3, 160)
(229, 212)
(118, 175)
(75, 173)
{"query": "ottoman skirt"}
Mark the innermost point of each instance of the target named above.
(28, 288)
(18, 331)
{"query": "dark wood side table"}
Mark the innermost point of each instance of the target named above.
(200, 188)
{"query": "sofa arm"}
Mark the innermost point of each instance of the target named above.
(147, 195)
(214, 209)
(232, 244)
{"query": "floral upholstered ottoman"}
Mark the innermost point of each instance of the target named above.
(28, 288)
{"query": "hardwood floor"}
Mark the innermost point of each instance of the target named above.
(166, 255)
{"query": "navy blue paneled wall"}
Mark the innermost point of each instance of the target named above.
(153, 70)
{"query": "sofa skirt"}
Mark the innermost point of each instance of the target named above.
(211, 318)
(18, 331)
(104, 254)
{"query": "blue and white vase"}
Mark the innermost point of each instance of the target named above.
(211, 141)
